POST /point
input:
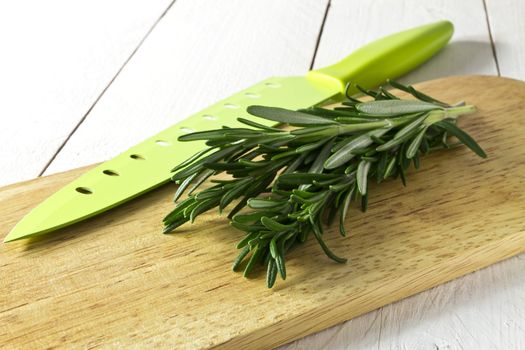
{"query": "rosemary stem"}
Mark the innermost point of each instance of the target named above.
(448, 113)
(383, 123)
(433, 116)
(461, 110)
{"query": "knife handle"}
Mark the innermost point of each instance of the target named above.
(405, 50)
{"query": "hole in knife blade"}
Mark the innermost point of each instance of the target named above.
(83, 190)
(137, 157)
(162, 143)
(231, 106)
(110, 172)
(252, 95)
(209, 117)
(186, 130)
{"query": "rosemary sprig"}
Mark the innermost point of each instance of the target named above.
(293, 181)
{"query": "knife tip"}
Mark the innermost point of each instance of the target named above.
(8, 239)
(13, 235)
(20, 231)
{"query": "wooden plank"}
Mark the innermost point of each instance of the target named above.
(349, 25)
(116, 281)
(352, 23)
(201, 51)
(58, 56)
(508, 31)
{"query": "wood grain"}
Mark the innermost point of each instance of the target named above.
(57, 58)
(116, 281)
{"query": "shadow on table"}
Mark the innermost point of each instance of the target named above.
(457, 58)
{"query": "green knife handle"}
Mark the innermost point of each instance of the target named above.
(405, 50)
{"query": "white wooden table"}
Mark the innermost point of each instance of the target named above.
(82, 80)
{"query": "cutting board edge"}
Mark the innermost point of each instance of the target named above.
(69, 173)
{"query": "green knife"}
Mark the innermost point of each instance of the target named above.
(147, 165)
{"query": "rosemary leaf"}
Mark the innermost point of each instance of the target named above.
(395, 107)
(462, 136)
(286, 116)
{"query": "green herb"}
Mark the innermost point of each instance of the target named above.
(294, 181)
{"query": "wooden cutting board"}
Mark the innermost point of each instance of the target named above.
(116, 281)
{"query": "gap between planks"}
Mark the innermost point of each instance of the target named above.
(75, 128)
(491, 38)
(319, 36)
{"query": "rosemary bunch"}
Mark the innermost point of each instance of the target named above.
(293, 181)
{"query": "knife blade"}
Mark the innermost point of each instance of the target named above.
(148, 164)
